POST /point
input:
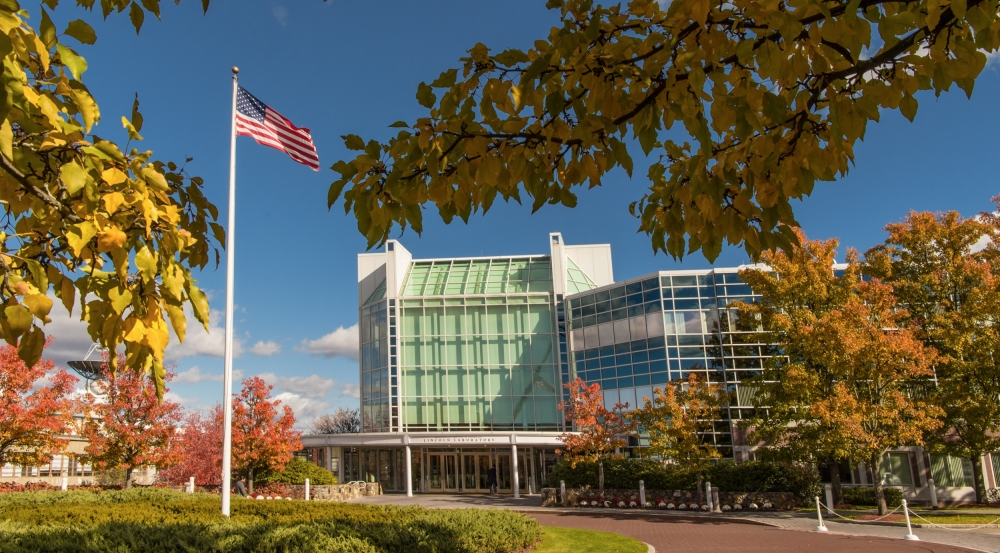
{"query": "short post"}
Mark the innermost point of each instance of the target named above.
(909, 530)
(642, 493)
(708, 495)
(716, 504)
(191, 485)
(562, 492)
(819, 515)
(829, 498)
(65, 483)
(307, 489)
(933, 487)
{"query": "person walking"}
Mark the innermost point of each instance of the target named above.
(491, 479)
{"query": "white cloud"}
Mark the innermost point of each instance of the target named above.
(340, 342)
(992, 58)
(305, 409)
(313, 386)
(180, 400)
(281, 14)
(194, 376)
(351, 390)
(266, 349)
(200, 342)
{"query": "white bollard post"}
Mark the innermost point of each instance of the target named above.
(819, 515)
(191, 485)
(562, 492)
(933, 487)
(708, 495)
(829, 498)
(65, 483)
(716, 504)
(307, 489)
(909, 530)
(642, 493)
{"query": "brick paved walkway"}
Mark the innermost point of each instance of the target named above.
(697, 536)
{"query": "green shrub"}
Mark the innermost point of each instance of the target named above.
(866, 496)
(296, 471)
(623, 474)
(158, 520)
(729, 476)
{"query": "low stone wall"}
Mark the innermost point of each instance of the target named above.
(778, 500)
(340, 492)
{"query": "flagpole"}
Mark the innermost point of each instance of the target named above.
(227, 379)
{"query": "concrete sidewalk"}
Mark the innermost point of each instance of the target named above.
(683, 524)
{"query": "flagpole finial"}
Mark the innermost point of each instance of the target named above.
(236, 70)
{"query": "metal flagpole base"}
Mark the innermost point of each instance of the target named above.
(911, 537)
(821, 529)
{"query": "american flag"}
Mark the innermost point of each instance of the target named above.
(255, 119)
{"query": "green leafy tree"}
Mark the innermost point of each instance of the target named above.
(950, 283)
(797, 290)
(87, 219)
(743, 106)
(679, 419)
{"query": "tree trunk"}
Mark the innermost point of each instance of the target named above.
(977, 478)
(128, 478)
(250, 480)
(879, 492)
(698, 489)
(838, 490)
(600, 475)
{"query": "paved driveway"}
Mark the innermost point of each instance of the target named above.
(694, 533)
(703, 535)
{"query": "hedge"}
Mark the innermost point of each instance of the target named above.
(729, 476)
(159, 520)
(296, 471)
(866, 496)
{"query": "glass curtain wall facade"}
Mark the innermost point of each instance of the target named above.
(478, 345)
(375, 380)
(640, 334)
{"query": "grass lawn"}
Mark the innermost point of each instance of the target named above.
(571, 540)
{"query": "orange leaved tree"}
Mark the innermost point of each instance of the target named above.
(679, 422)
(200, 444)
(599, 431)
(128, 426)
(261, 439)
(33, 413)
(881, 369)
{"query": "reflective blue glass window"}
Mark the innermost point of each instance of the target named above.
(659, 378)
(608, 361)
(633, 287)
(650, 295)
(625, 382)
(624, 370)
(635, 310)
(591, 353)
(623, 359)
(622, 348)
(640, 368)
(649, 284)
(638, 345)
(652, 307)
(608, 373)
(656, 366)
(685, 293)
(686, 304)
(655, 342)
(607, 350)
(634, 299)
(640, 356)
(641, 380)
(593, 364)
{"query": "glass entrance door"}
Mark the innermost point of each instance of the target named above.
(475, 472)
(504, 479)
(442, 472)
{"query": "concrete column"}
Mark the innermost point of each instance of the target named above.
(642, 493)
(307, 489)
(708, 495)
(829, 497)
(513, 471)
(716, 505)
(933, 487)
(191, 485)
(409, 469)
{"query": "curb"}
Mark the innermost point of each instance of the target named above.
(678, 517)
(649, 548)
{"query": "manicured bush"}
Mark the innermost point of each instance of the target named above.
(866, 496)
(729, 476)
(764, 476)
(296, 471)
(623, 474)
(159, 520)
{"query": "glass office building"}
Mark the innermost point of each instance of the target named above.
(463, 363)
(638, 334)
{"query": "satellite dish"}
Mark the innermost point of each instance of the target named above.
(89, 370)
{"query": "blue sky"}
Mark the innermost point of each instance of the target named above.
(353, 67)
